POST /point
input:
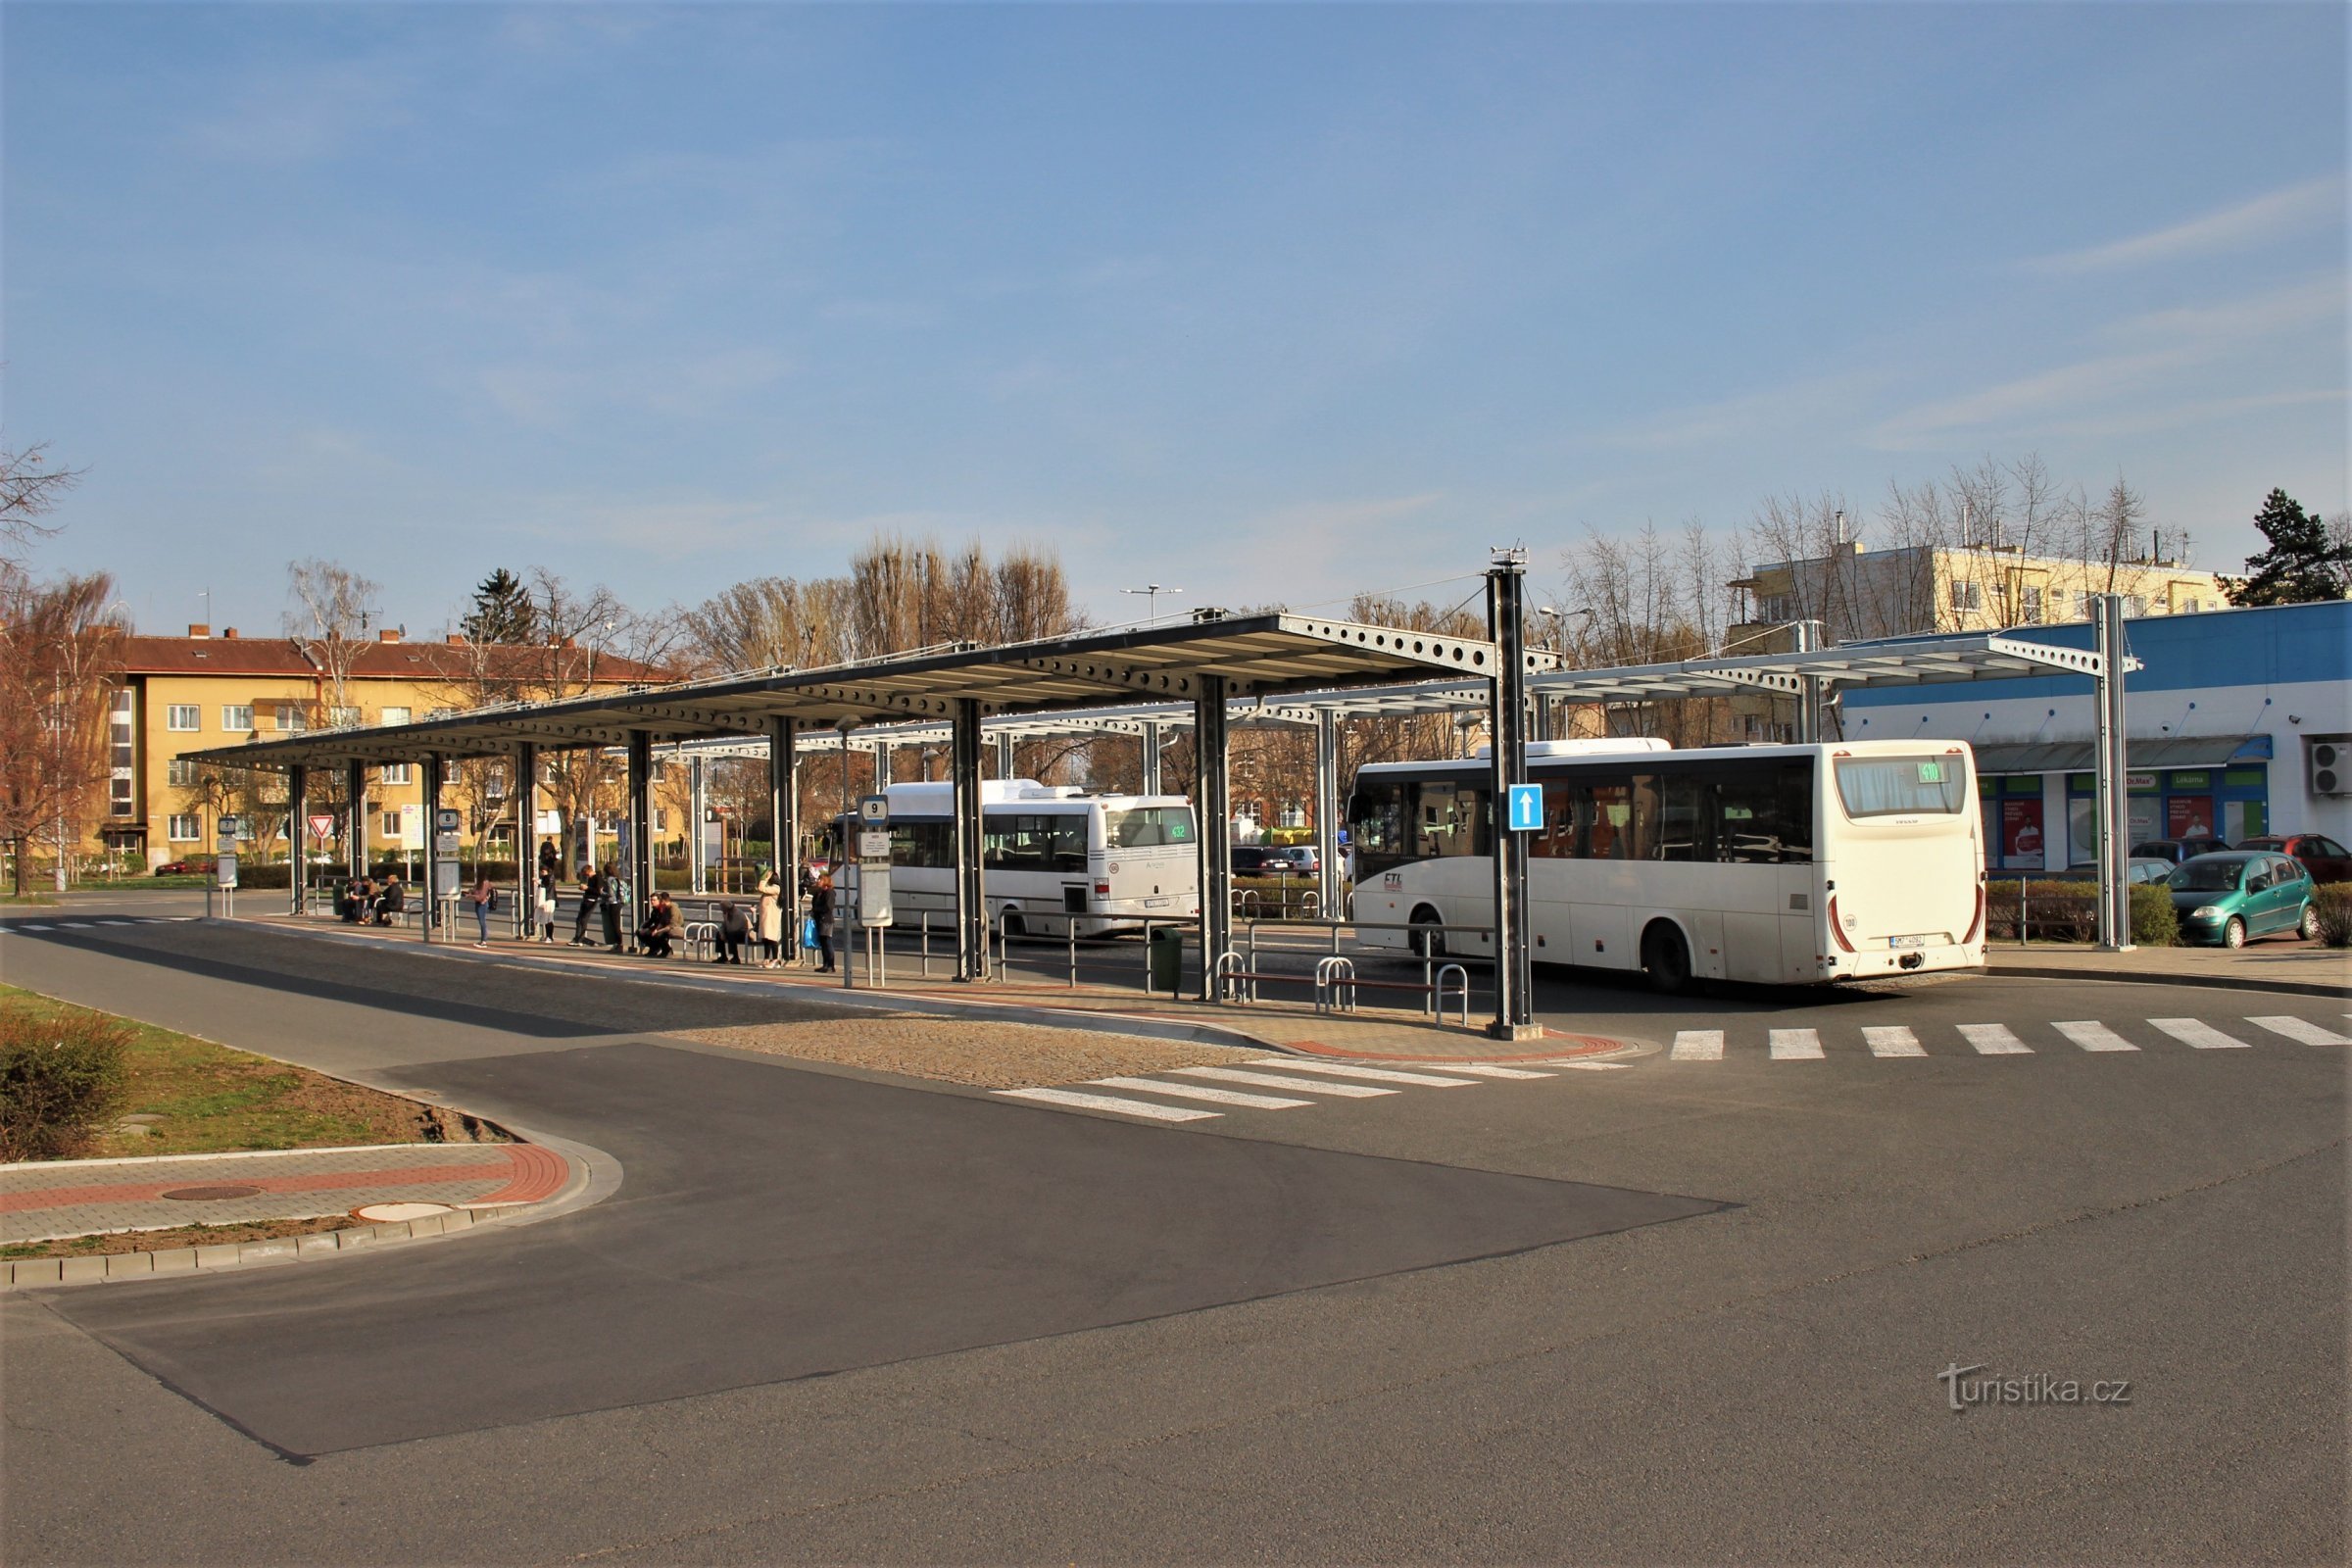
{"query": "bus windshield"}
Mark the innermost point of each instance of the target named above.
(1899, 786)
(1144, 826)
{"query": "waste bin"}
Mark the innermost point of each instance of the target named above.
(1165, 953)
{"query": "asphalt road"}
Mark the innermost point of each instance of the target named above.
(1691, 1308)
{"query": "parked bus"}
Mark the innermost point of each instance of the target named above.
(1048, 856)
(1784, 864)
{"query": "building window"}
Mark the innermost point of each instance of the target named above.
(342, 717)
(119, 795)
(391, 824)
(1965, 596)
(661, 820)
(396, 772)
(235, 717)
(2192, 607)
(396, 716)
(290, 717)
(184, 828)
(2029, 605)
(2136, 604)
(183, 716)
(179, 770)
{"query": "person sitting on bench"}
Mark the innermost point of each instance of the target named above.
(661, 927)
(391, 901)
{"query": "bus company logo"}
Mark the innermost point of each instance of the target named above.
(1392, 881)
(1962, 1391)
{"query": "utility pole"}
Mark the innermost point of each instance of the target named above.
(1151, 592)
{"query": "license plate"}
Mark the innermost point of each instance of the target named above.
(1906, 942)
(1158, 904)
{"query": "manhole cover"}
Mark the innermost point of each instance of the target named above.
(200, 1195)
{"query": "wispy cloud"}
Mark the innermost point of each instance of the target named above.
(1798, 405)
(2253, 222)
(306, 115)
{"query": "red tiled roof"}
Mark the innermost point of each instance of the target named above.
(379, 661)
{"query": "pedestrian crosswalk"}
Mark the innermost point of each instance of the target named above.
(1277, 1083)
(96, 921)
(2006, 1040)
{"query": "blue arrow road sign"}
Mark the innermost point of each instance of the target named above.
(1527, 807)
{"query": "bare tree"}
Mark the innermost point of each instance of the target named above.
(59, 658)
(31, 488)
(329, 622)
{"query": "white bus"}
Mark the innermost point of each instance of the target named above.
(1048, 856)
(1782, 865)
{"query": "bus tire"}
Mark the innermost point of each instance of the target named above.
(1429, 943)
(1666, 959)
(1014, 926)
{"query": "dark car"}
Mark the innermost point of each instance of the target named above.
(2180, 850)
(2325, 860)
(2138, 869)
(195, 865)
(1255, 860)
(2237, 894)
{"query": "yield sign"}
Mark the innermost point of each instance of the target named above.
(322, 827)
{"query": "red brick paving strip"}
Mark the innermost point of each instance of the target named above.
(538, 1173)
(409, 1176)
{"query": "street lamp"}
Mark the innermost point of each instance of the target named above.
(1151, 592)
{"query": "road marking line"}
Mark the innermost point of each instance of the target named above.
(76, 925)
(2303, 1029)
(1379, 1076)
(1592, 1067)
(42, 927)
(1796, 1045)
(2198, 1032)
(1698, 1045)
(1484, 1072)
(1124, 1108)
(1267, 1080)
(1891, 1040)
(2093, 1036)
(1220, 1096)
(1994, 1039)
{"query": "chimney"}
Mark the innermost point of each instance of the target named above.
(229, 634)
(198, 629)
(387, 635)
(456, 639)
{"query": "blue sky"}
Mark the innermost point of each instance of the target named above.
(1270, 303)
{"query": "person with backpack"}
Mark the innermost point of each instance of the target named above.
(820, 910)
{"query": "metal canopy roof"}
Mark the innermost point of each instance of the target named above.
(1256, 656)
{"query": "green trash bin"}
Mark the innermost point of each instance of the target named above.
(1166, 951)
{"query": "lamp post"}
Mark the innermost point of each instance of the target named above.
(1151, 592)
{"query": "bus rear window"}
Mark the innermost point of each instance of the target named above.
(1146, 826)
(1899, 786)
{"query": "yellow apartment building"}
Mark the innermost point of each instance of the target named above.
(189, 694)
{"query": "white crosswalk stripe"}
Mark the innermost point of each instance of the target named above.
(1594, 1066)
(1891, 1040)
(1378, 1075)
(2309, 1034)
(1480, 1069)
(1994, 1039)
(76, 925)
(32, 928)
(2198, 1033)
(1215, 1097)
(1698, 1045)
(1796, 1045)
(1124, 1108)
(1267, 1080)
(2091, 1035)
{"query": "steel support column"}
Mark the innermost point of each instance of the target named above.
(638, 867)
(1004, 756)
(1149, 782)
(1506, 727)
(429, 897)
(355, 803)
(1212, 811)
(972, 892)
(1808, 701)
(1327, 813)
(527, 830)
(2111, 775)
(699, 810)
(297, 831)
(784, 822)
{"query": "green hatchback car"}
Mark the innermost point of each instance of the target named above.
(2230, 897)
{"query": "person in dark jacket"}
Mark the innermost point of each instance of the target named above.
(592, 899)
(820, 910)
(392, 901)
(734, 930)
(661, 926)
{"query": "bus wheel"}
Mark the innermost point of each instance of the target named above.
(1014, 926)
(1428, 937)
(1666, 959)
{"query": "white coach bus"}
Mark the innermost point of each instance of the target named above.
(1782, 864)
(1048, 856)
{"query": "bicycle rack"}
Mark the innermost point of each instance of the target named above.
(1437, 998)
(1335, 977)
(1231, 966)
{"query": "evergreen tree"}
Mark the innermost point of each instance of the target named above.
(2303, 565)
(503, 612)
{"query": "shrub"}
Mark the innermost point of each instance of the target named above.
(2155, 922)
(62, 1077)
(2332, 902)
(2054, 911)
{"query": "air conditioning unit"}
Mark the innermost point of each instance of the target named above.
(2327, 763)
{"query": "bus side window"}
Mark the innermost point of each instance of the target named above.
(1069, 853)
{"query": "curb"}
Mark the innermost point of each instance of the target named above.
(2286, 988)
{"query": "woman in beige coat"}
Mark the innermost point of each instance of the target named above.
(771, 918)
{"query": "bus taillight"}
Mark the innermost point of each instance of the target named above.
(1836, 930)
(1976, 924)
(1103, 888)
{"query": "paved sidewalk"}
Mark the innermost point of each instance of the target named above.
(2297, 968)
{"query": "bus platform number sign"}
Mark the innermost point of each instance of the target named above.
(873, 808)
(1527, 807)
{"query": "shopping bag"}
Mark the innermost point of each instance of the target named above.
(809, 931)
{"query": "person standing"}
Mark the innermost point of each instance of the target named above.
(546, 904)
(549, 862)
(482, 899)
(820, 910)
(592, 899)
(771, 917)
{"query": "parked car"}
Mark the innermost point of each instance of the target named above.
(2139, 868)
(194, 865)
(1299, 859)
(2325, 860)
(2180, 850)
(2237, 894)
(1256, 860)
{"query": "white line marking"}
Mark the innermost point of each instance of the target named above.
(28, 928)
(1891, 1040)
(1124, 1108)
(2195, 1032)
(1267, 1080)
(1484, 1072)
(1379, 1076)
(1219, 1097)
(1698, 1045)
(1994, 1039)
(2095, 1036)
(76, 925)
(1796, 1045)
(2311, 1034)
(1592, 1067)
